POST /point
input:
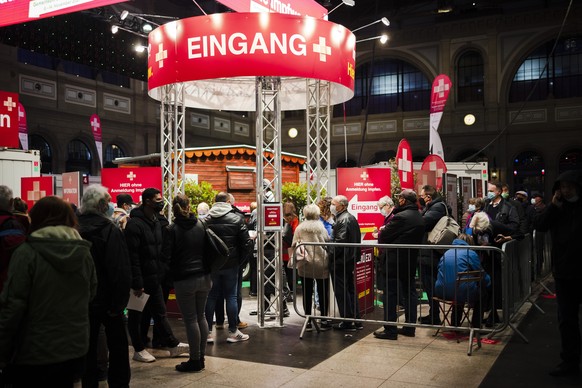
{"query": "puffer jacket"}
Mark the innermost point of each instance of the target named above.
(231, 228)
(144, 243)
(312, 231)
(186, 245)
(44, 318)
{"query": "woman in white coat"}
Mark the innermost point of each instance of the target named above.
(312, 261)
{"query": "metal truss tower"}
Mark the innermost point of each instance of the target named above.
(318, 118)
(268, 160)
(173, 131)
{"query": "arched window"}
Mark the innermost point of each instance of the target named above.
(396, 85)
(470, 77)
(528, 172)
(38, 142)
(562, 78)
(78, 157)
(112, 152)
(570, 160)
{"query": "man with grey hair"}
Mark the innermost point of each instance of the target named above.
(12, 233)
(111, 258)
(343, 261)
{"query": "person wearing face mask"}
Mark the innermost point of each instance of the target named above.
(143, 235)
(523, 228)
(538, 203)
(528, 210)
(563, 219)
(467, 215)
(121, 213)
(386, 207)
(111, 259)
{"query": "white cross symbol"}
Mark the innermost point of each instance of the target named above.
(20, 113)
(161, 55)
(433, 167)
(36, 192)
(9, 104)
(95, 124)
(404, 164)
(70, 179)
(364, 175)
(322, 49)
(131, 175)
(441, 88)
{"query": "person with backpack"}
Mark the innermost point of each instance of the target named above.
(12, 232)
(111, 259)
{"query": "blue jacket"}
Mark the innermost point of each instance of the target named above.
(453, 262)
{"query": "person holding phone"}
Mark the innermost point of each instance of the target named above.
(563, 218)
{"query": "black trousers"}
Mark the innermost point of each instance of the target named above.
(119, 373)
(569, 298)
(61, 374)
(322, 291)
(344, 289)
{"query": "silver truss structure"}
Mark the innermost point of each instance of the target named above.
(172, 129)
(268, 161)
(318, 116)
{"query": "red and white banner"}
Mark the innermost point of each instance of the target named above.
(131, 181)
(22, 128)
(72, 187)
(20, 11)
(435, 163)
(232, 49)
(95, 122)
(441, 87)
(290, 7)
(35, 188)
(405, 168)
(8, 119)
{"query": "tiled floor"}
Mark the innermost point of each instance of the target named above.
(329, 359)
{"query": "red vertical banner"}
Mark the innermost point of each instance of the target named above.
(22, 128)
(404, 161)
(34, 188)
(72, 187)
(441, 87)
(8, 119)
(95, 122)
(364, 187)
(435, 163)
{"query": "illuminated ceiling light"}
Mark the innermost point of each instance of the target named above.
(349, 3)
(385, 21)
(114, 29)
(140, 48)
(146, 28)
(293, 132)
(382, 38)
(469, 119)
(124, 15)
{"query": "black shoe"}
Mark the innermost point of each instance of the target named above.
(359, 326)
(286, 312)
(309, 327)
(407, 332)
(345, 326)
(202, 363)
(325, 325)
(189, 366)
(566, 369)
(387, 335)
(428, 320)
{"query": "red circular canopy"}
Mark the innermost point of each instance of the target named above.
(219, 56)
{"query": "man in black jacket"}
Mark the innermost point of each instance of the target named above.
(563, 218)
(399, 267)
(143, 234)
(231, 228)
(111, 260)
(343, 261)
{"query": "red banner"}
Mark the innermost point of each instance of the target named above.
(72, 187)
(132, 181)
(290, 7)
(35, 188)
(405, 168)
(22, 128)
(20, 11)
(95, 122)
(441, 87)
(435, 163)
(8, 120)
(233, 48)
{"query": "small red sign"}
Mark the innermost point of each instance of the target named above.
(131, 181)
(9, 120)
(34, 188)
(72, 187)
(272, 216)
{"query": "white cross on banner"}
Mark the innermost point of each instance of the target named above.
(96, 129)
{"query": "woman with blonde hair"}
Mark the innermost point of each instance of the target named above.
(312, 261)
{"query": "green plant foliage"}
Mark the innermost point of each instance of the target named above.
(296, 193)
(199, 192)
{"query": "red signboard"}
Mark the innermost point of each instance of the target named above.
(291, 7)
(22, 128)
(9, 120)
(272, 216)
(72, 187)
(34, 188)
(435, 163)
(405, 169)
(132, 181)
(20, 11)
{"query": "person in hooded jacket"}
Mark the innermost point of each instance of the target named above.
(44, 320)
(399, 267)
(191, 276)
(111, 261)
(563, 218)
(143, 235)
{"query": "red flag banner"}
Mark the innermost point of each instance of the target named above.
(22, 128)
(8, 119)
(96, 129)
(405, 168)
(441, 87)
(34, 188)
(435, 163)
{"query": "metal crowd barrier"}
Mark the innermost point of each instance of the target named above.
(542, 258)
(365, 298)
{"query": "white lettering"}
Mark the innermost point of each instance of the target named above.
(241, 47)
(194, 44)
(281, 44)
(259, 44)
(221, 46)
(5, 121)
(238, 44)
(301, 48)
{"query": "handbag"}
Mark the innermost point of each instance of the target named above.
(445, 230)
(217, 252)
